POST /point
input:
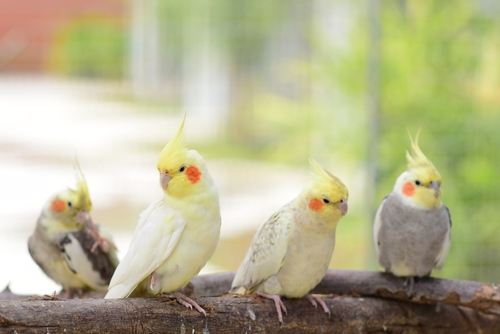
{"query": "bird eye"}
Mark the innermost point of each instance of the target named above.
(70, 204)
(417, 182)
(326, 200)
(183, 168)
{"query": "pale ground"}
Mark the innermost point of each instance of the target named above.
(46, 122)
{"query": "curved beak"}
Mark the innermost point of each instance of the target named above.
(343, 207)
(82, 217)
(434, 185)
(165, 179)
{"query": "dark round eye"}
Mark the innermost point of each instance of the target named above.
(326, 200)
(70, 204)
(417, 182)
(183, 168)
(341, 200)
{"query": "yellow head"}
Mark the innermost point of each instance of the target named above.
(326, 196)
(68, 209)
(182, 171)
(421, 183)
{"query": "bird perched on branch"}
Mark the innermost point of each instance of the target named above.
(412, 226)
(69, 247)
(292, 249)
(177, 234)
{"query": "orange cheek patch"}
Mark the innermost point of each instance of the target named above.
(58, 205)
(408, 189)
(193, 174)
(315, 204)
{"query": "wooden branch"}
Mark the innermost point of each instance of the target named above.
(359, 302)
(481, 296)
(238, 315)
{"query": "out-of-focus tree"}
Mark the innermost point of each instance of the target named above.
(439, 62)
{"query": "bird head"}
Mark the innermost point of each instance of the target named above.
(182, 171)
(326, 195)
(69, 209)
(421, 183)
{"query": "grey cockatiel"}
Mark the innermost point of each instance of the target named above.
(412, 226)
(68, 247)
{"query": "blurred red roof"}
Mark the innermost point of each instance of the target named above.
(28, 27)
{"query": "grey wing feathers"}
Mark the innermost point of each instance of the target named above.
(443, 253)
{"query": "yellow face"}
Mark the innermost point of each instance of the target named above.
(179, 178)
(328, 201)
(64, 210)
(423, 186)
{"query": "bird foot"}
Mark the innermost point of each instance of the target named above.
(316, 300)
(99, 241)
(277, 303)
(71, 292)
(186, 301)
(410, 280)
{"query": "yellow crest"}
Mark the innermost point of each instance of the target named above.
(417, 159)
(323, 176)
(175, 151)
(82, 191)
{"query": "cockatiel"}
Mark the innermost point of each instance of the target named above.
(412, 227)
(66, 243)
(177, 234)
(292, 249)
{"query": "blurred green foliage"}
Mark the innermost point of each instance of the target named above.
(90, 47)
(436, 75)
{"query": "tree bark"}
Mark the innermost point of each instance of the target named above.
(359, 301)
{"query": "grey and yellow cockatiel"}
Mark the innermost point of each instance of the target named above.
(68, 247)
(292, 249)
(412, 226)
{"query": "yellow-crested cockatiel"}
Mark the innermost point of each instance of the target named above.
(67, 245)
(292, 249)
(412, 226)
(177, 234)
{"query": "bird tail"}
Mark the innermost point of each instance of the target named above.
(119, 291)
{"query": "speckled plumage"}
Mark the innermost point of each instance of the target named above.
(292, 249)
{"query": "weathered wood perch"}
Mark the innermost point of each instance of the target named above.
(359, 301)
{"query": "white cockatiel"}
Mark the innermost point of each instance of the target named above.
(177, 234)
(292, 249)
(412, 226)
(67, 245)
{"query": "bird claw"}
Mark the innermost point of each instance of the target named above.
(186, 301)
(278, 303)
(316, 300)
(99, 241)
(411, 281)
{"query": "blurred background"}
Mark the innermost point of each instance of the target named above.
(265, 85)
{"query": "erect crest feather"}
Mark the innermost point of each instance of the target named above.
(417, 159)
(323, 176)
(174, 153)
(82, 195)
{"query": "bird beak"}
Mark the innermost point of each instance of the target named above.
(343, 207)
(165, 179)
(434, 185)
(82, 217)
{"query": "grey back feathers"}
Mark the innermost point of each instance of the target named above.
(411, 238)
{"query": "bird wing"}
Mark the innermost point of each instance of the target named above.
(94, 267)
(267, 251)
(377, 225)
(155, 237)
(443, 253)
